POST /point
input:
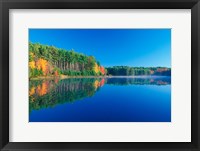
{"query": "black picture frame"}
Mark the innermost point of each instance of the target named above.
(5, 5)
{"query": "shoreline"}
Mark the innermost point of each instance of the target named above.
(67, 77)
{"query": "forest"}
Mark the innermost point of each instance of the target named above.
(47, 60)
(130, 71)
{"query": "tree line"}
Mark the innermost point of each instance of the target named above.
(131, 71)
(49, 60)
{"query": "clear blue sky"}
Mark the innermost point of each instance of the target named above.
(112, 47)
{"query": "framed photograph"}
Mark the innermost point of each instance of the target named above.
(99, 75)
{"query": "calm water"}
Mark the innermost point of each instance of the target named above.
(141, 99)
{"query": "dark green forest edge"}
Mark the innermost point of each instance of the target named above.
(49, 61)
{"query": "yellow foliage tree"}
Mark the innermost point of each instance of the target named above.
(96, 68)
(32, 64)
(42, 64)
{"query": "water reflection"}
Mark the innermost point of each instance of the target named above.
(49, 93)
(148, 80)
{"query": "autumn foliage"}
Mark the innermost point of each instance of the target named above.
(102, 70)
(96, 68)
(99, 69)
(32, 64)
(38, 66)
(42, 64)
(48, 60)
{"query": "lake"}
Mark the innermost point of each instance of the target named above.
(111, 99)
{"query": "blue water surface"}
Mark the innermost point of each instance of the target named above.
(101, 100)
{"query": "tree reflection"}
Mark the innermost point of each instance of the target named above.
(49, 93)
(140, 81)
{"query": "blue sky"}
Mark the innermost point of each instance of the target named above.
(112, 47)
